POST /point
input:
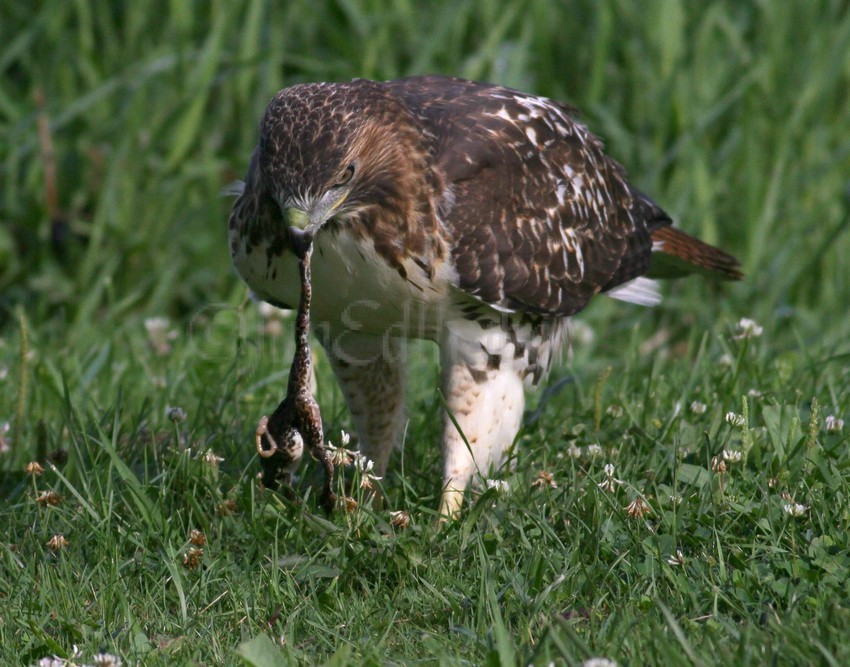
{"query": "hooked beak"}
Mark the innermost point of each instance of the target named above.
(303, 225)
(312, 219)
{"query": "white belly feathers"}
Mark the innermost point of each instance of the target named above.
(353, 287)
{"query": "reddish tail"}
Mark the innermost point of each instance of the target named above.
(677, 254)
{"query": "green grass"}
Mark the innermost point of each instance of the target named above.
(732, 115)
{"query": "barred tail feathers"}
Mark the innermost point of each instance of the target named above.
(676, 254)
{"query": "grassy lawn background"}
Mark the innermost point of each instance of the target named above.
(733, 115)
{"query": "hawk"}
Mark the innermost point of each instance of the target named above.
(469, 214)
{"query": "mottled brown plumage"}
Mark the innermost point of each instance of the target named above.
(473, 215)
(344, 125)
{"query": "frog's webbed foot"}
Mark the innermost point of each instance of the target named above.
(310, 421)
(280, 447)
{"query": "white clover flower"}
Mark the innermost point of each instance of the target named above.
(106, 660)
(33, 468)
(599, 662)
(734, 419)
(156, 325)
(732, 455)
(607, 485)
(718, 464)
(192, 558)
(269, 312)
(49, 499)
(209, 457)
(581, 332)
(368, 480)
(638, 507)
(365, 466)
(500, 485)
(160, 334)
(340, 456)
(573, 452)
(754, 393)
(52, 661)
(747, 328)
(4, 373)
(795, 509)
(593, 450)
(197, 537)
(610, 483)
(834, 424)
(726, 360)
(400, 518)
(676, 499)
(175, 414)
(273, 318)
(544, 479)
(677, 559)
(57, 542)
(698, 408)
(4, 437)
(615, 411)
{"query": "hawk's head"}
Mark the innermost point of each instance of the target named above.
(341, 151)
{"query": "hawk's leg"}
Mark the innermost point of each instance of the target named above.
(370, 371)
(484, 397)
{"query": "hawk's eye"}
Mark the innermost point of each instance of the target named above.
(345, 176)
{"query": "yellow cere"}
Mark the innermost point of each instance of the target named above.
(297, 218)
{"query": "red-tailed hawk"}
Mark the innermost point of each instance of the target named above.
(472, 215)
